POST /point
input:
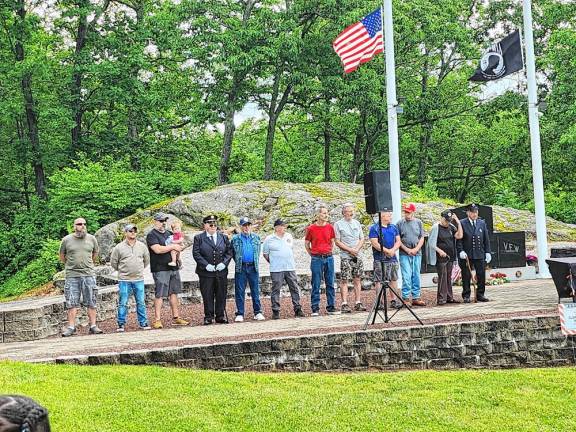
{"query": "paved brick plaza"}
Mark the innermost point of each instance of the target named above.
(519, 298)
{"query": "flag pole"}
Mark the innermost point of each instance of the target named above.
(392, 103)
(537, 176)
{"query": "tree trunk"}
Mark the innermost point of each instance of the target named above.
(327, 143)
(274, 111)
(229, 129)
(29, 107)
(24, 154)
(76, 83)
(357, 156)
(424, 147)
(76, 105)
(230, 110)
(427, 127)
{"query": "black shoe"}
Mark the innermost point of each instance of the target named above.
(396, 304)
(275, 315)
(221, 320)
(483, 299)
(331, 310)
(466, 299)
(207, 321)
(299, 313)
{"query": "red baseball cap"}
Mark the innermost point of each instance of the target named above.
(409, 207)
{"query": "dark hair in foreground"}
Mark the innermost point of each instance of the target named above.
(22, 414)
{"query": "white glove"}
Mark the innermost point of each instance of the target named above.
(463, 255)
(210, 268)
(488, 258)
(220, 267)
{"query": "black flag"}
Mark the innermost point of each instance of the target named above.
(501, 59)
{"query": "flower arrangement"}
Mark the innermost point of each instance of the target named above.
(497, 278)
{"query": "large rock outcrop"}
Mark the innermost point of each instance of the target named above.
(265, 201)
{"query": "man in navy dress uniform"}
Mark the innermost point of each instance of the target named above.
(212, 253)
(475, 248)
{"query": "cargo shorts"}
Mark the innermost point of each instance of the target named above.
(80, 291)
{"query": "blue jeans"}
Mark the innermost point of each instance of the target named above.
(410, 268)
(125, 288)
(247, 274)
(322, 267)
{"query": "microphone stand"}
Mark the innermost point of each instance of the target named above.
(382, 296)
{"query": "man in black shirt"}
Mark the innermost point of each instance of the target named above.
(166, 278)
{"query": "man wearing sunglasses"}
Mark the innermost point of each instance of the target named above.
(129, 258)
(78, 251)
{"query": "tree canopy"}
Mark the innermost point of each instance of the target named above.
(110, 105)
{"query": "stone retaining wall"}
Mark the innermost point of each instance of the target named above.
(39, 318)
(42, 317)
(504, 343)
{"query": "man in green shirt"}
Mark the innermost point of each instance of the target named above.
(78, 251)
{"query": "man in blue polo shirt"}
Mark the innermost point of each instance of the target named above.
(246, 247)
(384, 249)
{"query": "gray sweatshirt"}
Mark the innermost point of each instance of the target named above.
(130, 261)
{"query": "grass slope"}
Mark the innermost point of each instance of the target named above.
(126, 398)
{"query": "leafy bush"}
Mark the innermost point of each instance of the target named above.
(37, 272)
(101, 192)
(429, 192)
(560, 204)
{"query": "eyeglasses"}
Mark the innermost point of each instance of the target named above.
(211, 224)
(132, 231)
(80, 224)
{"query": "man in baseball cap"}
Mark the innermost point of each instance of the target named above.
(161, 217)
(167, 280)
(412, 237)
(130, 257)
(246, 247)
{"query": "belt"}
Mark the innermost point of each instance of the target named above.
(245, 263)
(322, 255)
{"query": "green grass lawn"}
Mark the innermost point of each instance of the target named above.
(135, 398)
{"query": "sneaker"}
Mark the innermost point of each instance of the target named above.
(172, 264)
(275, 315)
(69, 331)
(359, 307)
(145, 327)
(315, 313)
(95, 330)
(332, 310)
(345, 308)
(120, 329)
(259, 317)
(239, 318)
(396, 304)
(177, 321)
(157, 325)
(299, 313)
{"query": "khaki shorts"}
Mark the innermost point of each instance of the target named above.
(390, 271)
(351, 268)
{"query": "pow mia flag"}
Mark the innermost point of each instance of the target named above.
(501, 59)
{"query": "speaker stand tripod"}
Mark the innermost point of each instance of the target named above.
(382, 294)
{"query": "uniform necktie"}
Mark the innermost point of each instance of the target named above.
(213, 239)
(474, 225)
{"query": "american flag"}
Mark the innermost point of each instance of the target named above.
(360, 42)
